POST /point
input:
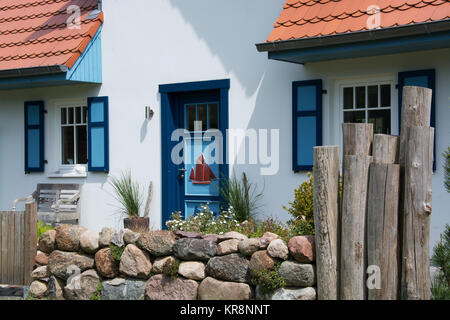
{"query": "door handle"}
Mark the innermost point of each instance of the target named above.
(182, 172)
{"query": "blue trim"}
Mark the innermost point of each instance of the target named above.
(195, 86)
(41, 128)
(171, 119)
(365, 49)
(104, 124)
(431, 75)
(87, 69)
(296, 114)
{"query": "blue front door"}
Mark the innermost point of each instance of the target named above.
(194, 158)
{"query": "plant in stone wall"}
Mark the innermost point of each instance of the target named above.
(98, 293)
(268, 280)
(116, 252)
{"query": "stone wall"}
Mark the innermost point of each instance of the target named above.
(75, 263)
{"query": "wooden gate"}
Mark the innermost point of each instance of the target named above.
(18, 243)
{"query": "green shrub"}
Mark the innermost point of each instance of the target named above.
(116, 252)
(256, 229)
(268, 280)
(441, 258)
(447, 169)
(42, 228)
(302, 209)
(242, 196)
(127, 192)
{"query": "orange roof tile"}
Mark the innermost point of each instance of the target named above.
(34, 33)
(314, 18)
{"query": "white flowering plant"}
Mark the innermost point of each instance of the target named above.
(205, 221)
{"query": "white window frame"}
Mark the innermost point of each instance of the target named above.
(357, 82)
(60, 170)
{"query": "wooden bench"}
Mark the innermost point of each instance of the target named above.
(57, 203)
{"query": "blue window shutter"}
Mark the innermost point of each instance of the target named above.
(34, 136)
(307, 122)
(98, 134)
(419, 78)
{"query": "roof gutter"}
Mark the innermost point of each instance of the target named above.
(33, 71)
(355, 37)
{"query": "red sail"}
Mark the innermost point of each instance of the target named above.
(203, 173)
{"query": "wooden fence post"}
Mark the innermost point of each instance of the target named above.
(326, 220)
(30, 240)
(382, 231)
(385, 149)
(358, 138)
(416, 284)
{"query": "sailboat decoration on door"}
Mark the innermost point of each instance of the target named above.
(202, 173)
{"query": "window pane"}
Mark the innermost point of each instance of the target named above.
(348, 98)
(355, 116)
(81, 145)
(372, 96)
(360, 97)
(70, 111)
(213, 116)
(63, 116)
(67, 145)
(85, 114)
(78, 114)
(386, 95)
(381, 120)
(202, 115)
(306, 98)
(190, 117)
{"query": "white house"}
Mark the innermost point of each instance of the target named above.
(188, 61)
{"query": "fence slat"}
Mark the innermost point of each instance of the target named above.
(4, 218)
(11, 251)
(30, 240)
(1, 247)
(18, 271)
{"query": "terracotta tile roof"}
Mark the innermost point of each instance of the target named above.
(314, 18)
(34, 33)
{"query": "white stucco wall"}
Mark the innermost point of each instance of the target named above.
(147, 43)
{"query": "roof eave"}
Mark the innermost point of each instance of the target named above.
(33, 71)
(355, 37)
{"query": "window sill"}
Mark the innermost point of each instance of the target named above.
(68, 174)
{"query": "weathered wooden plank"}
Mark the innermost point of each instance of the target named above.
(385, 148)
(18, 264)
(416, 284)
(382, 230)
(354, 199)
(30, 240)
(357, 138)
(4, 277)
(11, 247)
(326, 220)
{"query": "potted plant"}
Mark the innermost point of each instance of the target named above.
(128, 193)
